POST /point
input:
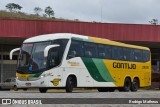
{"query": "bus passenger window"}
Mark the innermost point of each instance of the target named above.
(146, 55)
(138, 55)
(101, 51)
(108, 51)
(75, 49)
(90, 49)
(115, 54)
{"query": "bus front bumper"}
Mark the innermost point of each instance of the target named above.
(37, 82)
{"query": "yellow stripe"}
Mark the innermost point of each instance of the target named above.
(109, 42)
(22, 75)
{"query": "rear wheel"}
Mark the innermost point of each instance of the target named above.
(127, 85)
(69, 84)
(43, 90)
(135, 85)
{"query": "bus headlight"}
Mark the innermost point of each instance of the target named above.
(45, 75)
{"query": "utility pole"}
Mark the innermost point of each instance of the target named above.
(101, 11)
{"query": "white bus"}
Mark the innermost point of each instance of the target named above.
(65, 60)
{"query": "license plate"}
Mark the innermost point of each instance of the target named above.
(28, 84)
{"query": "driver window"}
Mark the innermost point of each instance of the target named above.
(54, 57)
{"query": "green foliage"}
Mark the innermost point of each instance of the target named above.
(154, 21)
(12, 7)
(37, 10)
(49, 11)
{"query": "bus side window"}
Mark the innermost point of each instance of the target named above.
(138, 55)
(116, 53)
(90, 49)
(75, 50)
(120, 53)
(108, 51)
(101, 51)
(128, 54)
(146, 55)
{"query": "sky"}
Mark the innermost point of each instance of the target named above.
(105, 11)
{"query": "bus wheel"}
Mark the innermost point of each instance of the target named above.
(15, 88)
(135, 85)
(69, 84)
(126, 87)
(43, 90)
(102, 89)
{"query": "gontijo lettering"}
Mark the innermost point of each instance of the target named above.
(124, 65)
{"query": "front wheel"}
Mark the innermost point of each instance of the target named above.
(43, 90)
(15, 88)
(69, 85)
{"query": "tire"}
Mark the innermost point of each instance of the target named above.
(69, 84)
(43, 90)
(102, 89)
(126, 87)
(15, 88)
(135, 85)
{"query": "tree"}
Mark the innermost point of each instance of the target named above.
(12, 7)
(37, 10)
(154, 21)
(49, 11)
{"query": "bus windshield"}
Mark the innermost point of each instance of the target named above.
(32, 56)
(32, 60)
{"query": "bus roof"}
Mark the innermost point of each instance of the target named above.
(48, 37)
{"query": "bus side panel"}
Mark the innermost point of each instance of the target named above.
(119, 70)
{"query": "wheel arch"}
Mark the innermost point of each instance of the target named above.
(136, 77)
(74, 76)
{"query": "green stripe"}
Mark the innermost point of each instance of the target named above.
(36, 74)
(98, 70)
(93, 69)
(103, 70)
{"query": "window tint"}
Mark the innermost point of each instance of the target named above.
(120, 53)
(138, 55)
(94, 50)
(108, 51)
(101, 51)
(117, 53)
(146, 56)
(76, 49)
(56, 53)
(128, 54)
(90, 49)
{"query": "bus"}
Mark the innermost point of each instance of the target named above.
(65, 60)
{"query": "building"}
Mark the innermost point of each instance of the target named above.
(13, 32)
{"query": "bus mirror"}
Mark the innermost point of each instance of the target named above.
(12, 51)
(48, 48)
